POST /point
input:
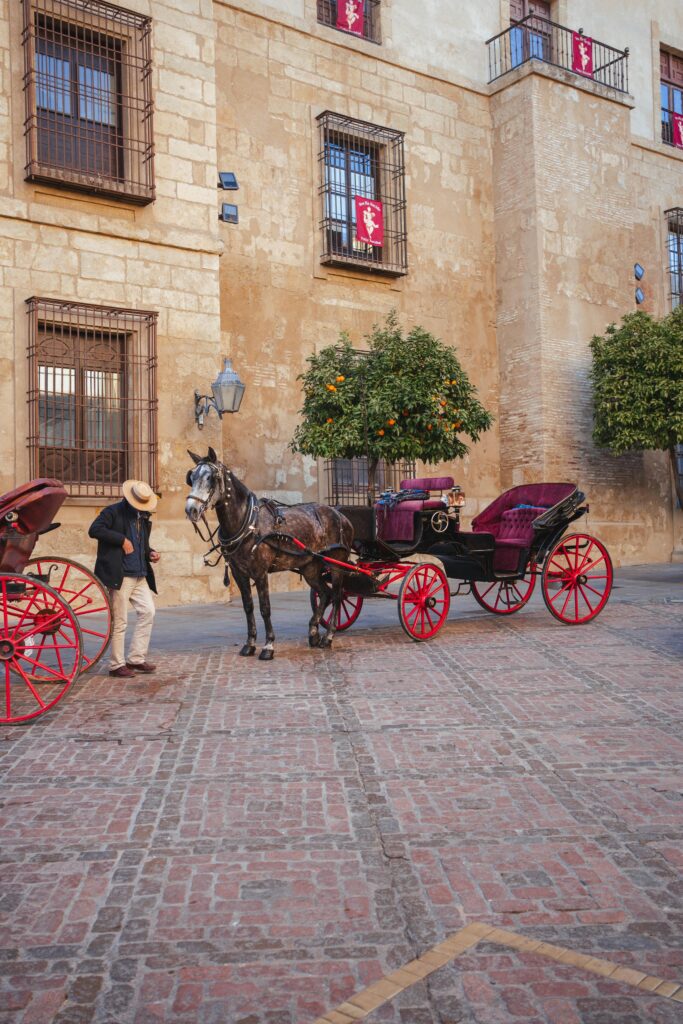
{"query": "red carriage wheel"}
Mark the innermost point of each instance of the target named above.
(423, 601)
(40, 647)
(88, 598)
(349, 610)
(503, 597)
(577, 579)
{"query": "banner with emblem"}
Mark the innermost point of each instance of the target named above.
(678, 130)
(350, 16)
(582, 54)
(369, 221)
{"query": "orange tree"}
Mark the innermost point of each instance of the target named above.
(637, 377)
(406, 397)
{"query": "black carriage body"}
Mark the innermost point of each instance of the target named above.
(483, 554)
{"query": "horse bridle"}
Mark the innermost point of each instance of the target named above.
(222, 482)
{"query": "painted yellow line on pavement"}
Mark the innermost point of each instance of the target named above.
(363, 1003)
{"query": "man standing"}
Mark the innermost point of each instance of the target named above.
(123, 564)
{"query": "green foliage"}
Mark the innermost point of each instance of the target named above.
(408, 397)
(637, 377)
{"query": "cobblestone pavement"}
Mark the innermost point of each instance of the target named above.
(237, 842)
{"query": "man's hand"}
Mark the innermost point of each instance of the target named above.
(154, 556)
(128, 548)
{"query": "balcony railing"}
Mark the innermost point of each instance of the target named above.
(535, 38)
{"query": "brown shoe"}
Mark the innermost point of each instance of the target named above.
(143, 666)
(123, 672)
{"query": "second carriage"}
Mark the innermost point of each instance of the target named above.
(517, 540)
(55, 615)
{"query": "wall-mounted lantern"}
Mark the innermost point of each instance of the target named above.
(227, 389)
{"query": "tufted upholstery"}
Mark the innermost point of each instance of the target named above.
(513, 527)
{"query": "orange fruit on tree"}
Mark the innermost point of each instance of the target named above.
(391, 422)
(456, 425)
(330, 387)
(330, 420)
(341, 379)
(380, 432)
(429, 426)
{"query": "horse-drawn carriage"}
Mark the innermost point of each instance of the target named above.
(55, 615)
(517, 539)
(350, 553)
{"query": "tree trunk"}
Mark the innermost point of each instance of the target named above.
(678, 483)
(372, 474)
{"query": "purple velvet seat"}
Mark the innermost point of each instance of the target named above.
(512, 526)
(398, 523)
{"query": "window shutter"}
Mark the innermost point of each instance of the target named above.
(516, 10)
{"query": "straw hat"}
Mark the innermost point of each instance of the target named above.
(140, 495)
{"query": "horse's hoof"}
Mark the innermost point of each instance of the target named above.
(267, 654)
(313, 640)
(247, 651)
(326, 641)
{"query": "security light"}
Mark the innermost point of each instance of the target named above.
(227, 180)
(638, 271)
(229, 213)
(640, 295)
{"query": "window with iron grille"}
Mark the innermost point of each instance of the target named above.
(88, 93)
(336, 14)
(674, 221)
(671, 93)
(362, 190)
(92, 395)
(347, 479)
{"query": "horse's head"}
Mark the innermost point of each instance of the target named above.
(207, 482)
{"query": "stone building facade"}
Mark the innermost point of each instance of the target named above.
(518, 196)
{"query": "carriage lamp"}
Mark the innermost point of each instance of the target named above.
(227, 395)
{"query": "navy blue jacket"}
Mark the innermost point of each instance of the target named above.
(109, 530)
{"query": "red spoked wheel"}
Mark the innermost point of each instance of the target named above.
(88, 598)
(349, 610)
(503, 597)
(423, 601)
(40, 648)
(577, 579)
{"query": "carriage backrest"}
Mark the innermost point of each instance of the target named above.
(33, 506)
(428, 483)
(507, 514)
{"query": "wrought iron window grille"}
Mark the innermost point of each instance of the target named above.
(92, 398)
(327, 15)
(88, 92)
(537, 38)
(347, 479)
(358, 159)
(674, 246)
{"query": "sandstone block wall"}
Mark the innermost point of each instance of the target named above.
(163, 257)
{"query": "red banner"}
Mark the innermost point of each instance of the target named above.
(369, 221)
(678, 130)
(350, 16)
(582, 54)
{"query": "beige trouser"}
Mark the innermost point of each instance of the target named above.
(134, 590)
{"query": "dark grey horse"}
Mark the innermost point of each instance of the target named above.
(254, 538)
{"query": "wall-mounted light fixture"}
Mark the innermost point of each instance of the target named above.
(227, 180)
(229, 213)
(227, 389)
(640, 296)
(638, 271)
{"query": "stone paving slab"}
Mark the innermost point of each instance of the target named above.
(247, 843)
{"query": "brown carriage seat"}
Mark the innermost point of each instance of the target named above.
(397, 523)
(511, 516)
(36, 504)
